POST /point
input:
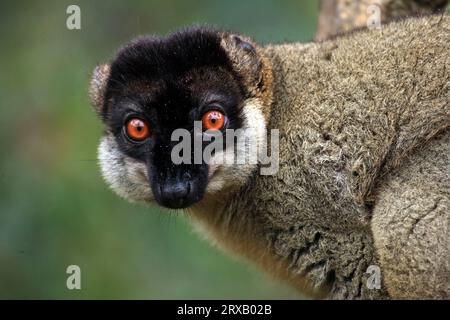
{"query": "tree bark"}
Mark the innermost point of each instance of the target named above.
(340, 16)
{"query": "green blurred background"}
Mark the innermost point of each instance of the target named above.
(55, 210)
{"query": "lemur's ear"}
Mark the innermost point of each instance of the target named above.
(97, 86)
(251, 65)
(246, 59)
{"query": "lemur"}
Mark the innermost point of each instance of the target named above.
(364, 150)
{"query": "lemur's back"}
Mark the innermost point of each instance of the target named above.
(358, 116)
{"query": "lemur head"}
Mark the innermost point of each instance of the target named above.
(157, 85)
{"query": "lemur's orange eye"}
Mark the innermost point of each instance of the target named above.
(213, 120)
(137, 129)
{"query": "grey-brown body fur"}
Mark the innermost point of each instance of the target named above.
(364, 174)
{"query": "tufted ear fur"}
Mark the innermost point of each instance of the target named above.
(251, 65)
(97, 86)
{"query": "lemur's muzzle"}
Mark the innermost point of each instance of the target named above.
(175, 194)
(179, 187)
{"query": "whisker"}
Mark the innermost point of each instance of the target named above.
(96, 159)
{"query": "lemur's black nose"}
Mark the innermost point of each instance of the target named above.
(176, 194)
(176, 186)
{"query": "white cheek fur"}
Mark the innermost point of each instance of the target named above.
(126, 176)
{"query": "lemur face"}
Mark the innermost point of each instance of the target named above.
(155, 86)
